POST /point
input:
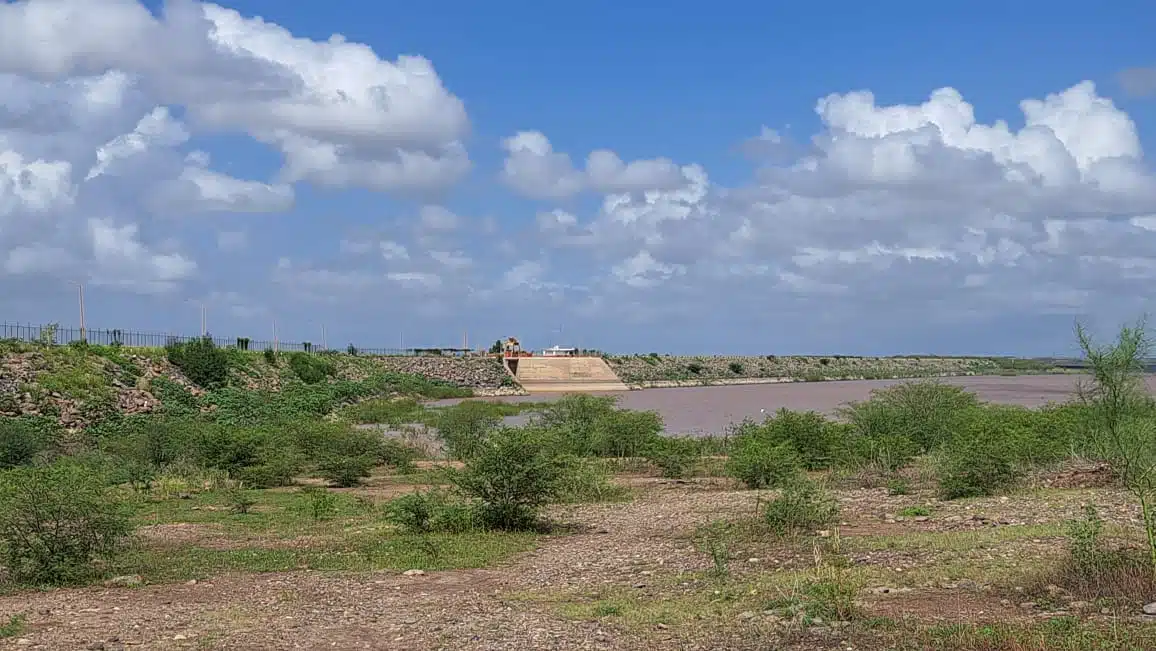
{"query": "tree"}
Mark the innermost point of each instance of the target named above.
(1121, 413)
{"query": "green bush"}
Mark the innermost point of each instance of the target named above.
(977, 463)
(22, 440)
(923, 412)
(817, 440)
(346, 471)
(430, 511)
(200, 360)
(513, 474)
(57, 522)
(310, 369)
(803, 505)
(270, 356)
(585, 480)
(577, 419)
(760, 462)
(465, 428)
(735, 368)
(626, 433)
(675, 457)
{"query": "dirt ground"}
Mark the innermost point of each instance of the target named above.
(637, 554)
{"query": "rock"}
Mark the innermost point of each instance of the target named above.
(1150, 609)
(23, 642)
(1079, 605)
(1028, 605)
(414, 573)
(126, 581)
(953, 518)
(921, 518)
(749, 614)
(180, 636)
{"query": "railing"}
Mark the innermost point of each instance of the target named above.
(57, 335)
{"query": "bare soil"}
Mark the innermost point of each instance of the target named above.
(639, 553)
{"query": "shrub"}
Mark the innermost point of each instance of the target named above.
(319, 503)
(1120, 412)
(675, 457)
(585, 480)
(57, 521)
(200, 360)
(694, 367)
(346, 471)
(430, 511)
(23, 439)
(465, 428)
(577, 419)
(270, 356)
(735, 368)
(924, 412)
(310, 369)
(513, 475)
(760, 462)
(803, 505)
(975, 464)
(626, 433)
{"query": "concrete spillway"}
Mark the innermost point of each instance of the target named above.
(564, 374)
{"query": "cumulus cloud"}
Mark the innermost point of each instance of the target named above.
(101, 101)
(532, 168)
(894, 207)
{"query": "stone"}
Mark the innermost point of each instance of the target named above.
(1150, 608)
(414, 573)
(749, 614)
(1028, 605)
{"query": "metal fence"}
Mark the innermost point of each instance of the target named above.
(54, 334)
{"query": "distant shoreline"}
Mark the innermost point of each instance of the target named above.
(674, 384)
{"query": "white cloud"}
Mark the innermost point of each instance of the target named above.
(534, 169)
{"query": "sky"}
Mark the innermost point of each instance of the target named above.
(705, 178)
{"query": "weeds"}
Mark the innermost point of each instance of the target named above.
(13, 626)
(804, 505)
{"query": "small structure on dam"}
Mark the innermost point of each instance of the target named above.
(558, 369)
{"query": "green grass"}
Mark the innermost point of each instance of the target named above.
(356, 552)
(1055, 634)
(12, 627)
(280, 533)
(915, 512)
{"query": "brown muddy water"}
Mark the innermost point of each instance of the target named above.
(709, 410)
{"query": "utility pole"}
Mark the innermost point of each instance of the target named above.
(275, 335)
(324, 344)
(204, 322)
(80, 293)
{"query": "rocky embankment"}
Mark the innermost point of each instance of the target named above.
(485, 375)
(671, 370)
(76, 386)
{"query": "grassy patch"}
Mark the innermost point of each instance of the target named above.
(12, 627)
(360, 551)
(1055, 634)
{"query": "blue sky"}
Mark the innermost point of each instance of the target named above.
(744, 195)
